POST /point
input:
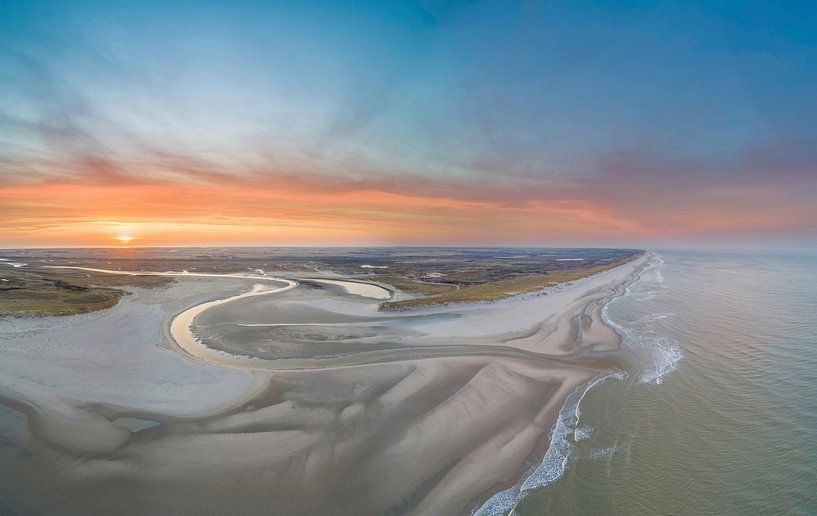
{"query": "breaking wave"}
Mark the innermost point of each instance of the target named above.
(553, 465)
(656, 356)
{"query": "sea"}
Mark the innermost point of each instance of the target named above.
(715, 408)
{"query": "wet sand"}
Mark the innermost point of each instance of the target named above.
(426, 412)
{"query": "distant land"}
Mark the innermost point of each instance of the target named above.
(42, 282)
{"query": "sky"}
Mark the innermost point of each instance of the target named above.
(623, 124)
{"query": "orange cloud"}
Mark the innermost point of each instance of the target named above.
(176, 214)
(303, 210)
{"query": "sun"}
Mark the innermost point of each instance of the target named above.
(124, 238)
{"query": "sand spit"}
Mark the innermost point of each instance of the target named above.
(429, 416)
(358, 288)
(181, 327)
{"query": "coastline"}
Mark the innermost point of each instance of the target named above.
(491, 402)
(557, 415)
(505, 499)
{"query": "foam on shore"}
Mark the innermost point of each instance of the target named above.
(554, 463)
(659, 355)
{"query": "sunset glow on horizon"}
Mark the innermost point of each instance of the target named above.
(482, 123)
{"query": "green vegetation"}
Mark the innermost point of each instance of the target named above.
(416, 285)
(492, 290)
(434, 274)
(40, 293)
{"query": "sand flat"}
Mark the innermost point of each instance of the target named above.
(358, 288)
(416, 422)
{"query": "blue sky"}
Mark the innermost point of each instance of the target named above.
(694, 121)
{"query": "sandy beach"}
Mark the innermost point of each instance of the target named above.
(248, 394)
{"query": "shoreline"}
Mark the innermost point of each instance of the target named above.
(186, 340)
(526, 476)
(449, 409)
(498, 502)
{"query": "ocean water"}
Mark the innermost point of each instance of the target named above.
(716, 411)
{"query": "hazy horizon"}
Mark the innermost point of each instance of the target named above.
(680, 248)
